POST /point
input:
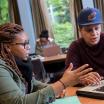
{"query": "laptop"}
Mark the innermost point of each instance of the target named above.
(92, 91)
(51, 51)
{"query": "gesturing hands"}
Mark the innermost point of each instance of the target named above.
(71, 77)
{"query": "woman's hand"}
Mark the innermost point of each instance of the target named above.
(72, 77)
(91, 78)
(61, 95)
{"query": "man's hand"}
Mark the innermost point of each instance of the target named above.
(91, 78)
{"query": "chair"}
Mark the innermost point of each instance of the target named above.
(39, 71)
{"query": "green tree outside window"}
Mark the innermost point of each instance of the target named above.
(61, 21)
(4, 11)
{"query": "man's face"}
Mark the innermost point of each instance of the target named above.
(91, 34)
(20, 47)
(44, 41)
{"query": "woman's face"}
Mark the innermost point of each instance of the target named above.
(44, 41)
(20, 47)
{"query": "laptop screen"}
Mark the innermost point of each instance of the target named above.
(51, 51)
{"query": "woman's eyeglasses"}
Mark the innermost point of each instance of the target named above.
(25, 44)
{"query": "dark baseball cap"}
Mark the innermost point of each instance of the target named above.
(89, 16)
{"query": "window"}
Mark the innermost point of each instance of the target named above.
(87, 3)
(25, 17)
(61, 21)
(26, 20)
(4, 11)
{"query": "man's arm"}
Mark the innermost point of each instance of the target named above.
(73, 56)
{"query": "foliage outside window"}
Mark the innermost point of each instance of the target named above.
(61, 23)
(4, 11)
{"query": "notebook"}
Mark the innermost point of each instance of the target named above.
(51, 51)
(93, 91)
(67, 100)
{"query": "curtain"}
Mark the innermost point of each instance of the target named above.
(41, 17)
(100, 5)
(14, 12)
(75, 7)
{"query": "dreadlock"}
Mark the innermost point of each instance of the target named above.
(8, 33)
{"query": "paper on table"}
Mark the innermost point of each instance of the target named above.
(67, 100)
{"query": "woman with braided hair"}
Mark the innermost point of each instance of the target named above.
(15, 87)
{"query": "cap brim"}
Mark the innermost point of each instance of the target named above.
(91, 23)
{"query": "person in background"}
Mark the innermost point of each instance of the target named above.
(14, 44)
(44, 41)
(89, 49)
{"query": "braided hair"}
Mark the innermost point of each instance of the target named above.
(8, 33)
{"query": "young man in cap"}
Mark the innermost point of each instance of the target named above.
(89, 48)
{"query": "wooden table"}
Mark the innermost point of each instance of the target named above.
(54, 64)
(71, 91)
(60, 57)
